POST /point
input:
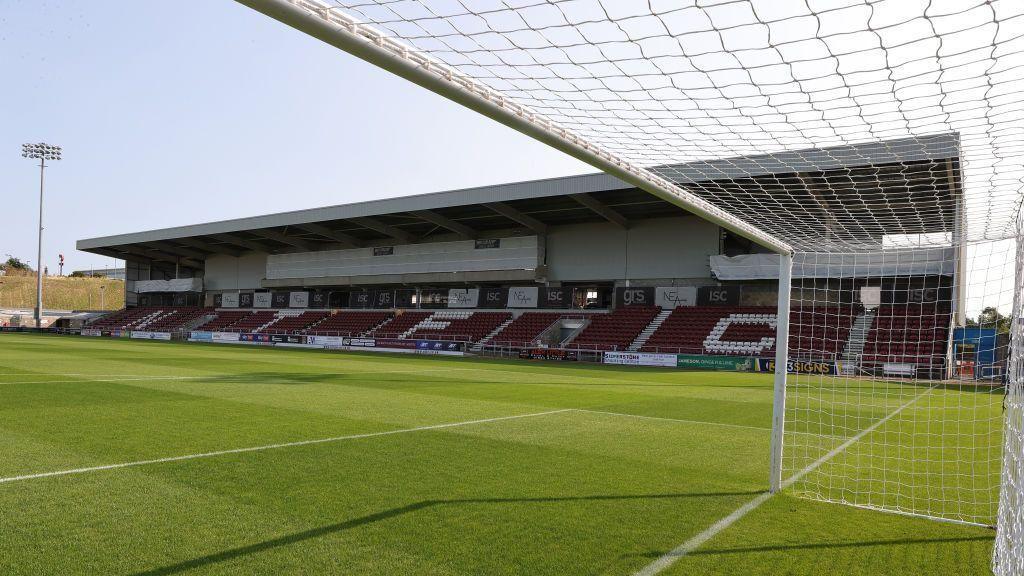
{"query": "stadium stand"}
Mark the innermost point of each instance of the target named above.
(400, 324)
(126, 318)
(822, 331)
(814, 332)
(350, 323)
(252, 322)
(911, 334)
(615, 330)
(223, 320)
(176, 319)
(465, 326)
(293, 323)
(524, 329)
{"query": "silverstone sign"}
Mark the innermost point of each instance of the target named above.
(640, 359)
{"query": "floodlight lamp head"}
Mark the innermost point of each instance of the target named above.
(41, 150)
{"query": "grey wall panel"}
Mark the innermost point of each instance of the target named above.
(586, 252)
(517, 253)
(229, 273)
(672, 248)
(663, 248)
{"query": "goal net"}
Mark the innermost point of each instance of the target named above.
(876, 144)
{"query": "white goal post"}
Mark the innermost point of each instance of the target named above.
(866, 155)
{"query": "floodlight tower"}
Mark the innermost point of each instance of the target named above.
(43, 152)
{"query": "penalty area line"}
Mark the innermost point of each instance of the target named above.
(670, 558)
(271, 447)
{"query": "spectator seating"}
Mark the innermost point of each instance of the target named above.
(125, 318)
(293, 323)
(176, 319)
(223, 320)
(252, 321)
(820, 331)
(460, 325)
(525, 329)
(911, 334)
(814, 332)
(401, 324)
(615, 330)
(350, 323)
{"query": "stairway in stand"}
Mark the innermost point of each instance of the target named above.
(649, 330)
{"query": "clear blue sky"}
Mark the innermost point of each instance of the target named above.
(174, 113)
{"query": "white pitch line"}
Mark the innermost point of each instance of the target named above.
(682, 420)
(271, 447)
(701, 422)
(85, 378)
(697, 541)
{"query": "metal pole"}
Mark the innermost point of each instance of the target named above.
(781, 360)
(316, 19)
(39, 254)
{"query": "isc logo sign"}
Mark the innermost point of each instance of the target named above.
(718, 296)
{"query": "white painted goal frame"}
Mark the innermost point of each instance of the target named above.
(766, 118)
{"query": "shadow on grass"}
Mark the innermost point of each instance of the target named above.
(296, 537)
(837, 545)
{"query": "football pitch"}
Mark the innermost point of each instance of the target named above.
(148, 458)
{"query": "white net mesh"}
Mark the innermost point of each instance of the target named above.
(663, 83)
(1009, 548)
(882, 140)
(891, 368)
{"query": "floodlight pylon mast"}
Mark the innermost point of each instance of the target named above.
(343, 32)
(41, 152)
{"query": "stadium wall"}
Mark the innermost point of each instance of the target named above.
(661, 248)
(661, 251)
(230, 273)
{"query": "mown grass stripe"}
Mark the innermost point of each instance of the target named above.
(269, 447)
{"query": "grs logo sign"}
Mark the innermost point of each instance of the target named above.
(636, 296)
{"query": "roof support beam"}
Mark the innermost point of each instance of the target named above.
(326, 232)
(239, 241)
(215, 248)
(285, 239)
(119, 255)
(601, 209)
(177, 250)
(385, 229)
(159, 256)
(439, 220)
(517, 216)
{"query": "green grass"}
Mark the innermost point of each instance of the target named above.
(61, 292)
(572, 492)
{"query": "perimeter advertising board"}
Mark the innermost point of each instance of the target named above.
(640, 359)
(702, 362)
(146, 335)
(824, 367)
